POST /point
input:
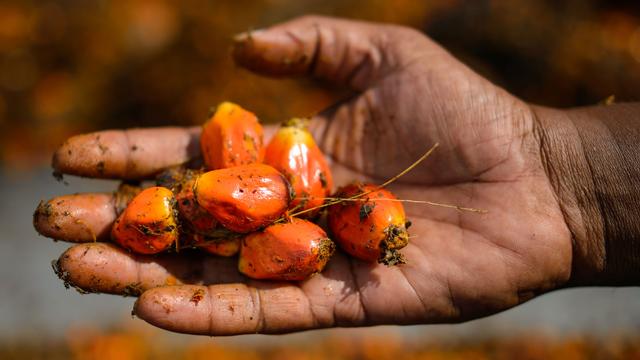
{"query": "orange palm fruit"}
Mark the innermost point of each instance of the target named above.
(231, 137)
(294, 153)
(243, 198)
(193, 218)
(221, 246)
(373, 228)
(148, 225)
(285, 251)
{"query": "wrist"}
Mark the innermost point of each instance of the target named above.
(589, 160)
(569, 173)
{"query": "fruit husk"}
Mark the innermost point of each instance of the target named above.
(370, 229)
(396, 237)
(293, 250)
(138, 229)
(261, 196)
(294, 153)
(231, 137)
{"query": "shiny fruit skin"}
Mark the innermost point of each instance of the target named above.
(294, 153)
(148, 224)
(370, 230)
(243, 198)
(231, 137)
(285, 251)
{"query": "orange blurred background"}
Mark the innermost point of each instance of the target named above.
(73, 66)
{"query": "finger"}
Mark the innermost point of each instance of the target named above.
(76, 218)
(127, 154)
(344, 52)
(332, 298)
(227, 309)
(84, 217)
(106, 268)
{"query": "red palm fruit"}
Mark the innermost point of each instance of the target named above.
(221, 246)
(232, 137)
(243, 198)
(285, 251)
(294, 153)
(193, 218)
(148, 224)
(371, 229)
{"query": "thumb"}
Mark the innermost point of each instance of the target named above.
(344, 52)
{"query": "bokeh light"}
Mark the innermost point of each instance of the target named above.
(87, 65)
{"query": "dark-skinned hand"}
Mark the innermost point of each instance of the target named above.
(409, 94)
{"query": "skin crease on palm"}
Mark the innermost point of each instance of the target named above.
(409, 93)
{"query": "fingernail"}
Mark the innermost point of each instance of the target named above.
(247, 35)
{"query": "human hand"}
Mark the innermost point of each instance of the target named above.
(409, 94)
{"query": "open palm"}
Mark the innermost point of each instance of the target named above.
(409, 94)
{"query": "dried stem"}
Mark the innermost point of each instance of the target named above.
(386, 183)
(405, 171)
(459, 208)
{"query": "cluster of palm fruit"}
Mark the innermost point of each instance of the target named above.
(263, 202)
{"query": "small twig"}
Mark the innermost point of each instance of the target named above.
(411, 167)
(386, 183)
(459, 208)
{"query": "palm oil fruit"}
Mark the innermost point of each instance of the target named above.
(243, 198)
(193, 218)
(231, 137)
(294, 153)
(148, 225)
(285, 251)
(221, 246)
(372, 227)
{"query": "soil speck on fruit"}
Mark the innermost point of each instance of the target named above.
(365, 210)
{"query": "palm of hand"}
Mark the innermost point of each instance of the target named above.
(460, 265)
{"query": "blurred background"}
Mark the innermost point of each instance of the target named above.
(74, 66)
